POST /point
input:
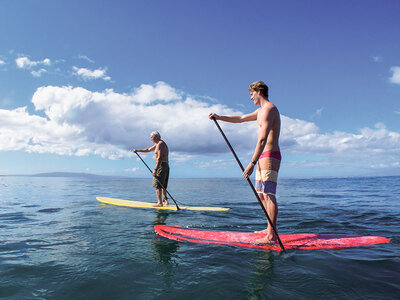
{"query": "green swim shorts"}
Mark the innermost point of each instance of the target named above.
(162, 176)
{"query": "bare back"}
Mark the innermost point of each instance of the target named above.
(268, 119)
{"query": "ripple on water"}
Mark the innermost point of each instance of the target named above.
(50, 210)
(15, 217)
(58, 242)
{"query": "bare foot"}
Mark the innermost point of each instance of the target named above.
(165, 201)
(261, 231)
(157, 205)
(267, 240)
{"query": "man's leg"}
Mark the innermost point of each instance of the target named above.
(272, 210)
(165, 201)
(271, 207)
(158, 193)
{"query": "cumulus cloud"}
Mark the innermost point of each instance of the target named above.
(2, 62)
(396, 75)
(87, 74)
(23, 62)
(77, 121)
(21, 131)
(148, 93)
(367, 141)
(125, 120)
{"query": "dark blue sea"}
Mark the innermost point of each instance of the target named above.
(58, 242)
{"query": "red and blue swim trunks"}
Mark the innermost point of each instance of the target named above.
(267, 172)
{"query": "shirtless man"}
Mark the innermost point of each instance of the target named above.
(266, 155)
(161, 171)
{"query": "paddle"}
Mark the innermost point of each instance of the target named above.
(177, 207)
(250, 183)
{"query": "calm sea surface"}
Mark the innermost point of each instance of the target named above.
(58, 242)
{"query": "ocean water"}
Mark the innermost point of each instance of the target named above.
(58, 242)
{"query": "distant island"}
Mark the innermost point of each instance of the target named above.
(59, 174)
(67, 174)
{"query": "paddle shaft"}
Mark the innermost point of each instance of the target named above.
(250, 183)
(177, 207)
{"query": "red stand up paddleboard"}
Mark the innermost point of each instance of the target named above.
(301, 241)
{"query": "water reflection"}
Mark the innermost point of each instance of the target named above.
(261, 276)
(164, 252)
(163, 249)
(161, 217)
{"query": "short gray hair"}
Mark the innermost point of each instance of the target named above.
(155, 134)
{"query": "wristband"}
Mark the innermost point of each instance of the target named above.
(254, 162)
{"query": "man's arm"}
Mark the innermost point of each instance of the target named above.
(152, 148)
(235, 119)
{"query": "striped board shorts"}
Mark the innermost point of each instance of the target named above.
(267, 172)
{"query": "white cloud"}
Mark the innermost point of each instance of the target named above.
(2, 62)
(21, 131)
(122, 120)
(24, 62)
(215, 162)
(84, 57)
(87, 74)
(39, 72)
(396, 75)
(131, 170)
(317, 113)
(147, 93)
(81, 122)
(368, 141)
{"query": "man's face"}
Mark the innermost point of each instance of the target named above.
(255, 97)
(153, 138)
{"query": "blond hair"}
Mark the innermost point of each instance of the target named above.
(259, 86)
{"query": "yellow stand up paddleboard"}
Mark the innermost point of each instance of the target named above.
(139, 204)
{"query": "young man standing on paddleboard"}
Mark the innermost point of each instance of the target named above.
(161, 171)
(267, 156)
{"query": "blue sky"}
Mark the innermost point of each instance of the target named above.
(82, 82)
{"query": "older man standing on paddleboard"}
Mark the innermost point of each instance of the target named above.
(266, 155)
(161, 171)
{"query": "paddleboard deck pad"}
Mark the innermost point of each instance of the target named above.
(302, 241)
(172, 206)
